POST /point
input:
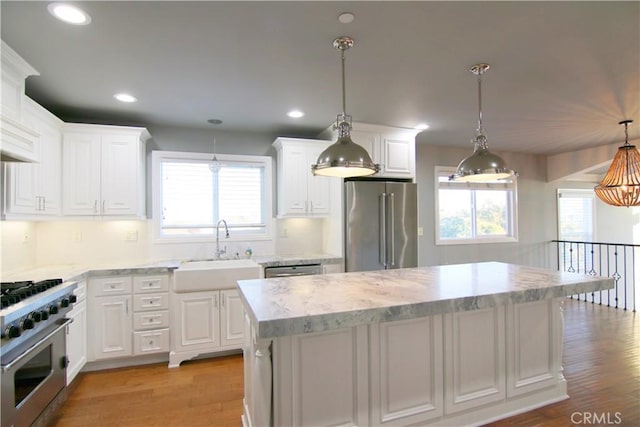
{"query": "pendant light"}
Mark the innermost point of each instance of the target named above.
(215, 163)
(482, 165)
(344, 158)
(621, 185)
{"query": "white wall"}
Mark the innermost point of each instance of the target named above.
(536, 212)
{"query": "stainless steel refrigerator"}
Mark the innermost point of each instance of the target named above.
(380, 225)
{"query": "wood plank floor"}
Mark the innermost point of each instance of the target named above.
(601, 364)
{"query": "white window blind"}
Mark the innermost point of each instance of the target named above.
(576, 214)
(195, 194)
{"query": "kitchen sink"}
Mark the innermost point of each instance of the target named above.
(213, 274)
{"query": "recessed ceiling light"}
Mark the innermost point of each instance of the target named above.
(346, 18)
(124, 97)
(295, 114)
(422, 126)
(69, 13)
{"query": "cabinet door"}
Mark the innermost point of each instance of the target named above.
(50, 170)
(231, 319)
(292, 187)
(198, 325)
(77, 340)
(120, 181)
(370, 141)
(111, 327)
(22, 188)
(398, 156)
(81, 173)
(318, 187)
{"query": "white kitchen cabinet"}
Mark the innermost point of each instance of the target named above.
(394, 149)
(300, 193)
(231, 319)
(111, 327)
(77, 333)
(205, 322)
(103, 170)
(35, 189)
(129, 315)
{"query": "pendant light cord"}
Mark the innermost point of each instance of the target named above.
(480, 128)
(344, 90)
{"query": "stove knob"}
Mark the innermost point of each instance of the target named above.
(53, 309)
(27, 324)
(44, 315)
(36, 316)
(64, 302)
(12, 332)
(73, 298)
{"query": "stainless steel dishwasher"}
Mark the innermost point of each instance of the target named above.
(292, 270)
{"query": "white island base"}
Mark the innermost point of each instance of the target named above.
(453, 369)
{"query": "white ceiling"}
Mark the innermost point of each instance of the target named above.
(562, 73)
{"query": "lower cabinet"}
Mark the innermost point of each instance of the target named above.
(129, 316)
(205, 322)
(77, 334)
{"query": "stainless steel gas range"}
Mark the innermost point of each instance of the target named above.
(33, 352)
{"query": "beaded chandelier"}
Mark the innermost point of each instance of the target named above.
(621, 184)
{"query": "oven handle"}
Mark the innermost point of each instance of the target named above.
(7, 367)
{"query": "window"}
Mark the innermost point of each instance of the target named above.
(191, 195)
(576, 215)
(474, 212)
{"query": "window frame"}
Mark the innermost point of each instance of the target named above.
(157, 157)
(512, 209)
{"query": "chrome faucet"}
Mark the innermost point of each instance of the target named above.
(226, 236)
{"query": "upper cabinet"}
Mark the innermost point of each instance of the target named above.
(299, 192)
(18, 139)
(34, 189)
(103, 170)
(394, 149)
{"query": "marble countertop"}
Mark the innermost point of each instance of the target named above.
(84, 271)
(305, 304)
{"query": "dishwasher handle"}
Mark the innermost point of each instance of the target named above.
(292, 271)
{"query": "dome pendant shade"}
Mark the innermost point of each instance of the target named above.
(482, 165)
(344, 158)
(621, 185)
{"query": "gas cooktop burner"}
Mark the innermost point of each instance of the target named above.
(14, 292)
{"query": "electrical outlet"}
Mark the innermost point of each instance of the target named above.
(76, 236)
(26, 237)
(131, 236)
(284, 232)
(420, 231)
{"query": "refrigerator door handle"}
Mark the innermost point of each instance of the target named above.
(383, 230)
(392, 229)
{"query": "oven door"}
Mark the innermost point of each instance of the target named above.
(33, 377)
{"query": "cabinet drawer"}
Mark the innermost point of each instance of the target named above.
(155, 341)
(150, 302)
(117, 285)
(151, 320)
(145, 284)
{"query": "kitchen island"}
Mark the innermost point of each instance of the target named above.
(446, 345)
